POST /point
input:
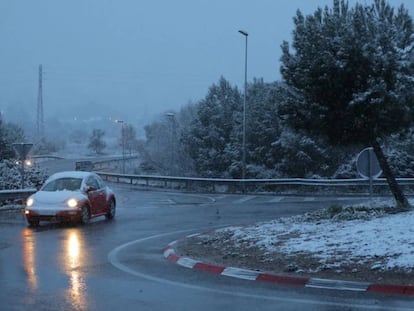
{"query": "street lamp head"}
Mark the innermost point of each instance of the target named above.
(244, 33)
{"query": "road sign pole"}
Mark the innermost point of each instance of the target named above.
(368, 167)
(371, 173)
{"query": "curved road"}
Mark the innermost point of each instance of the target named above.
(119, 264)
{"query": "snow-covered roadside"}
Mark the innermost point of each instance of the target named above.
(384, 241)
(9, 207)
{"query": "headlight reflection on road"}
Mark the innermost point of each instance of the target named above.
(29, 258)
(73, 249)
(73, 259)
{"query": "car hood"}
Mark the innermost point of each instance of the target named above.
(49, 197)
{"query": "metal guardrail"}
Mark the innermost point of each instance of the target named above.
(46, 156)
(15, 195)
(254, 185)
(220, 185)
(20, 195)
(102, 164)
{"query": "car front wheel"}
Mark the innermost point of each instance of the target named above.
(33, 223)
(85, 216)
(112, 210)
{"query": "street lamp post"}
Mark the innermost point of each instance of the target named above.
(245, 34)
(123, 143)
(171, 116)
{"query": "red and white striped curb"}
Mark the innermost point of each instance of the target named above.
(171, 255)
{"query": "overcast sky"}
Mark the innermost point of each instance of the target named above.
(134, 58)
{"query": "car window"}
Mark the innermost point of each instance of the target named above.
(71, 184)
(101, 182)
(93, 182)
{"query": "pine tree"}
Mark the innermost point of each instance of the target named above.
(211, 138)
(351, 71)
(263, 124)
(6, 150)
(96, 142)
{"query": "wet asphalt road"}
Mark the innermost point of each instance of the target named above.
(110, 265)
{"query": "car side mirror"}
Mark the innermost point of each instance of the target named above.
(90, 188)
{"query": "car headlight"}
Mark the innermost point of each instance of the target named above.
(72, 203)
(29, 202)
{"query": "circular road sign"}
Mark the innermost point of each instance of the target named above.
(367, 164)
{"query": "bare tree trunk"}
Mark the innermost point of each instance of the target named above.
(402, 202)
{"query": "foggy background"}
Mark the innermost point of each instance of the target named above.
(133, 60)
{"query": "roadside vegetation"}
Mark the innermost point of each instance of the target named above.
(347, 84)
(10, 177)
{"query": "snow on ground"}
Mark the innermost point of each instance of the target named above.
(385, 239)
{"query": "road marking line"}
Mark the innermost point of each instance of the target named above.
(221, 197)
(309, 199)
(116, 262)
(337, 284)
(276, 199)
(244, 199)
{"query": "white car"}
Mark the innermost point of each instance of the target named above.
(72, 196)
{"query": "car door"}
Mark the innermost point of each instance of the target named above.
(96, 195)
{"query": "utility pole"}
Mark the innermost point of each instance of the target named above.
(171, 116)
(245, 34)
(122, 122)
(40, 125)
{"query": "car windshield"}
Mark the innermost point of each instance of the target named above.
(67, 183)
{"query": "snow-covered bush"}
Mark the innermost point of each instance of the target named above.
(300, 156)
(10, 177)
(347, 170)
(401, 162)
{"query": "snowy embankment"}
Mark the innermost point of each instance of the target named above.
(384, 241)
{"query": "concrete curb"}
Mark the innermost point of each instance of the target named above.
(280, 279)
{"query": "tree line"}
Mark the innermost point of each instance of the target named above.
(210, 145)
(347, 82)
